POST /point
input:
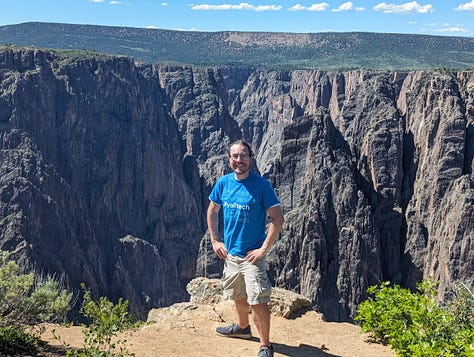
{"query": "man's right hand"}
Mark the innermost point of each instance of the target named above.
(219, 249)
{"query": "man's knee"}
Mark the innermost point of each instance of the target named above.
(260, 309)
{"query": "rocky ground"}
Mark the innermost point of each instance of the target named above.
(188, 330)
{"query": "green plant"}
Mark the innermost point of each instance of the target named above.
(415, 324)
(26, 300)
(15, 340)
(106, 320)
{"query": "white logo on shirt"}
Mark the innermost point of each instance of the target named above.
(236, 205)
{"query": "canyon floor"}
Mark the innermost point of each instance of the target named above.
(189, 331)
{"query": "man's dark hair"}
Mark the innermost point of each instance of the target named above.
(244, 143)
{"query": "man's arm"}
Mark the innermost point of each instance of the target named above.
(213, 226)
(274, 229)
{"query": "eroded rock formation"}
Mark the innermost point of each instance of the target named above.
(106, 166)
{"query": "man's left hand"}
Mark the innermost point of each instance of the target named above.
(254, 255)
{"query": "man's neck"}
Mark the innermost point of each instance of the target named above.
(242, 176)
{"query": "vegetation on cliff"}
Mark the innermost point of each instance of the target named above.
(415, 324)
(105, 321)
(26, 300)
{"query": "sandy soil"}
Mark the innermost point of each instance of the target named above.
(189, 331)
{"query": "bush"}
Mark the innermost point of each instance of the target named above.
(415, 324)
(15, 340)
(106, 320)
(26, 300)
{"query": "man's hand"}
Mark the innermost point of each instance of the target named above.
(254, 255)
(219, 249)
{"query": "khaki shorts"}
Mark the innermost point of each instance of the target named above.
(242, 279)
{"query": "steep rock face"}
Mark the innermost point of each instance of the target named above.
(330, 248)
(106, 167)
(89, 182)
(439, 213)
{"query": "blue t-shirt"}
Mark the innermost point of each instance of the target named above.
(244, 204)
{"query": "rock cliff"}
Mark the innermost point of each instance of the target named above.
(106, 166)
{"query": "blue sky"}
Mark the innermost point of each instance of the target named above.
(442, 17)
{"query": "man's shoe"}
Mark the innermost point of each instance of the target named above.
(265, 351)
(234, 331)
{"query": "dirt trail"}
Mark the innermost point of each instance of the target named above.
(192, 334)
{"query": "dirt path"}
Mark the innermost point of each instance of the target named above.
(190, 332)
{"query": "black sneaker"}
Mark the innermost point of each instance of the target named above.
(234, 331)
(265, 351)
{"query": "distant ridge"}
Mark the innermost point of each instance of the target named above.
(326, 51)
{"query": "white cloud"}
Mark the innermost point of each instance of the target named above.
(348, 6)
(318, 7)
(194, 29)
(164, 4)
(241, 6)
(315, 7)
(451, 29)
(97, 1)
(115, 2)
(407, 8)
(297, 7)
(466, 7)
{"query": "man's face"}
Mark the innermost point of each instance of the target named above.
(239, 159)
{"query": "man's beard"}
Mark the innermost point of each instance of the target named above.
(242, 171)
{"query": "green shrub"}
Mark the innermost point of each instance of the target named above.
(415, 324)
(15, 340)
(26, 300)
(106, 320)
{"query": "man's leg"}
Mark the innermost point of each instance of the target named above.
(242, 308)
(261, 319)
(233, 286)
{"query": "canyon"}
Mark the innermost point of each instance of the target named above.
(107, 163)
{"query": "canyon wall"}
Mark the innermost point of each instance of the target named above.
(106, 166)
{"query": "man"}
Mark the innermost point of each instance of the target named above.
(246, 198)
